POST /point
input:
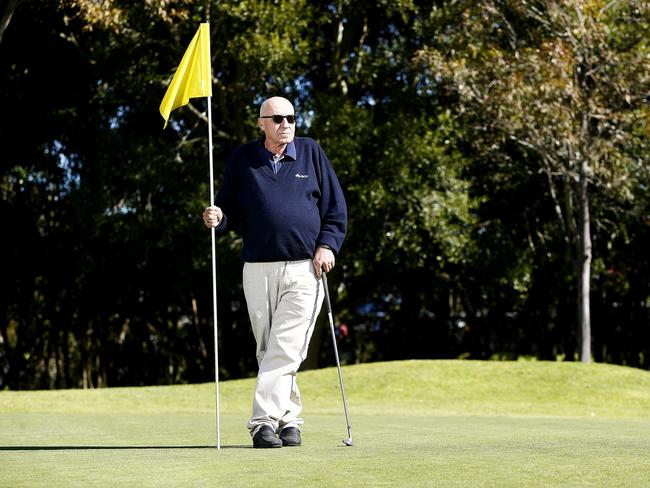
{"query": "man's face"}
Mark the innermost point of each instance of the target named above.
(277, 133)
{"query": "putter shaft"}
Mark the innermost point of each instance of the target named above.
(348, 441)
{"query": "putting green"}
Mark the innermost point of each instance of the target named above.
(414, 423)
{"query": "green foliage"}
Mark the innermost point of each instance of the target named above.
(566, 81)
(453, 247)
(555, 79)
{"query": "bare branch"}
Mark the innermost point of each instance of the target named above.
(609, 5)
(8, 7)
(203, 116)
(554, 196)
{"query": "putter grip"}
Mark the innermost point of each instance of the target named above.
(327, 293)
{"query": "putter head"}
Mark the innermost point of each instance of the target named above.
(348, 442)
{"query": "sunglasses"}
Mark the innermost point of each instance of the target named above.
(277, 119)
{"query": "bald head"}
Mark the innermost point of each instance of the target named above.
(276, 105)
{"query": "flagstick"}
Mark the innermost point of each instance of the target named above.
(214, 276)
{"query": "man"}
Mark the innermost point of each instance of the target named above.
(284, 194)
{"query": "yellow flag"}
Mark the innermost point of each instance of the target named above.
(193, 77)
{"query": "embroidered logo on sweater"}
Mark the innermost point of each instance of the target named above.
(298, 175)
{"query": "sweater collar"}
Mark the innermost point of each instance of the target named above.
(266, 155)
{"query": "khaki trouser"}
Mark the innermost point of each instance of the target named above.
(283, 299)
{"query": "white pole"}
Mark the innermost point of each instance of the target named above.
(214, 276)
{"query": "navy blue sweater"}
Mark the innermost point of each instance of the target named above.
(283, 216)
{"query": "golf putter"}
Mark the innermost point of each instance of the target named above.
(348, 441)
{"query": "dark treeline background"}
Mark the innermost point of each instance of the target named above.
(459, 131)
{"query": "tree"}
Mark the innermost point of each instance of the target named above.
(105, 280)
(107, 205)
(566, 81)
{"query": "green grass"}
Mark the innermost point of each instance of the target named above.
(414, 423)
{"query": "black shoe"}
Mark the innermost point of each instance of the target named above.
(265, 437)
(290, 437)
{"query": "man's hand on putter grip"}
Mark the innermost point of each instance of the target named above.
(323, 260)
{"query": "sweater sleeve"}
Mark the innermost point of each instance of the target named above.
(226, 198)
(332, 206)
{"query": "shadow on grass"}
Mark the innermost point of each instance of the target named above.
(109, 448)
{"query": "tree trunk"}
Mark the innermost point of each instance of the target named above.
(338, 81)
(583, 266)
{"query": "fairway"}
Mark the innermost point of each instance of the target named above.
(414, 423)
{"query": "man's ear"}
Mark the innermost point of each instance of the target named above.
(259, 124)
